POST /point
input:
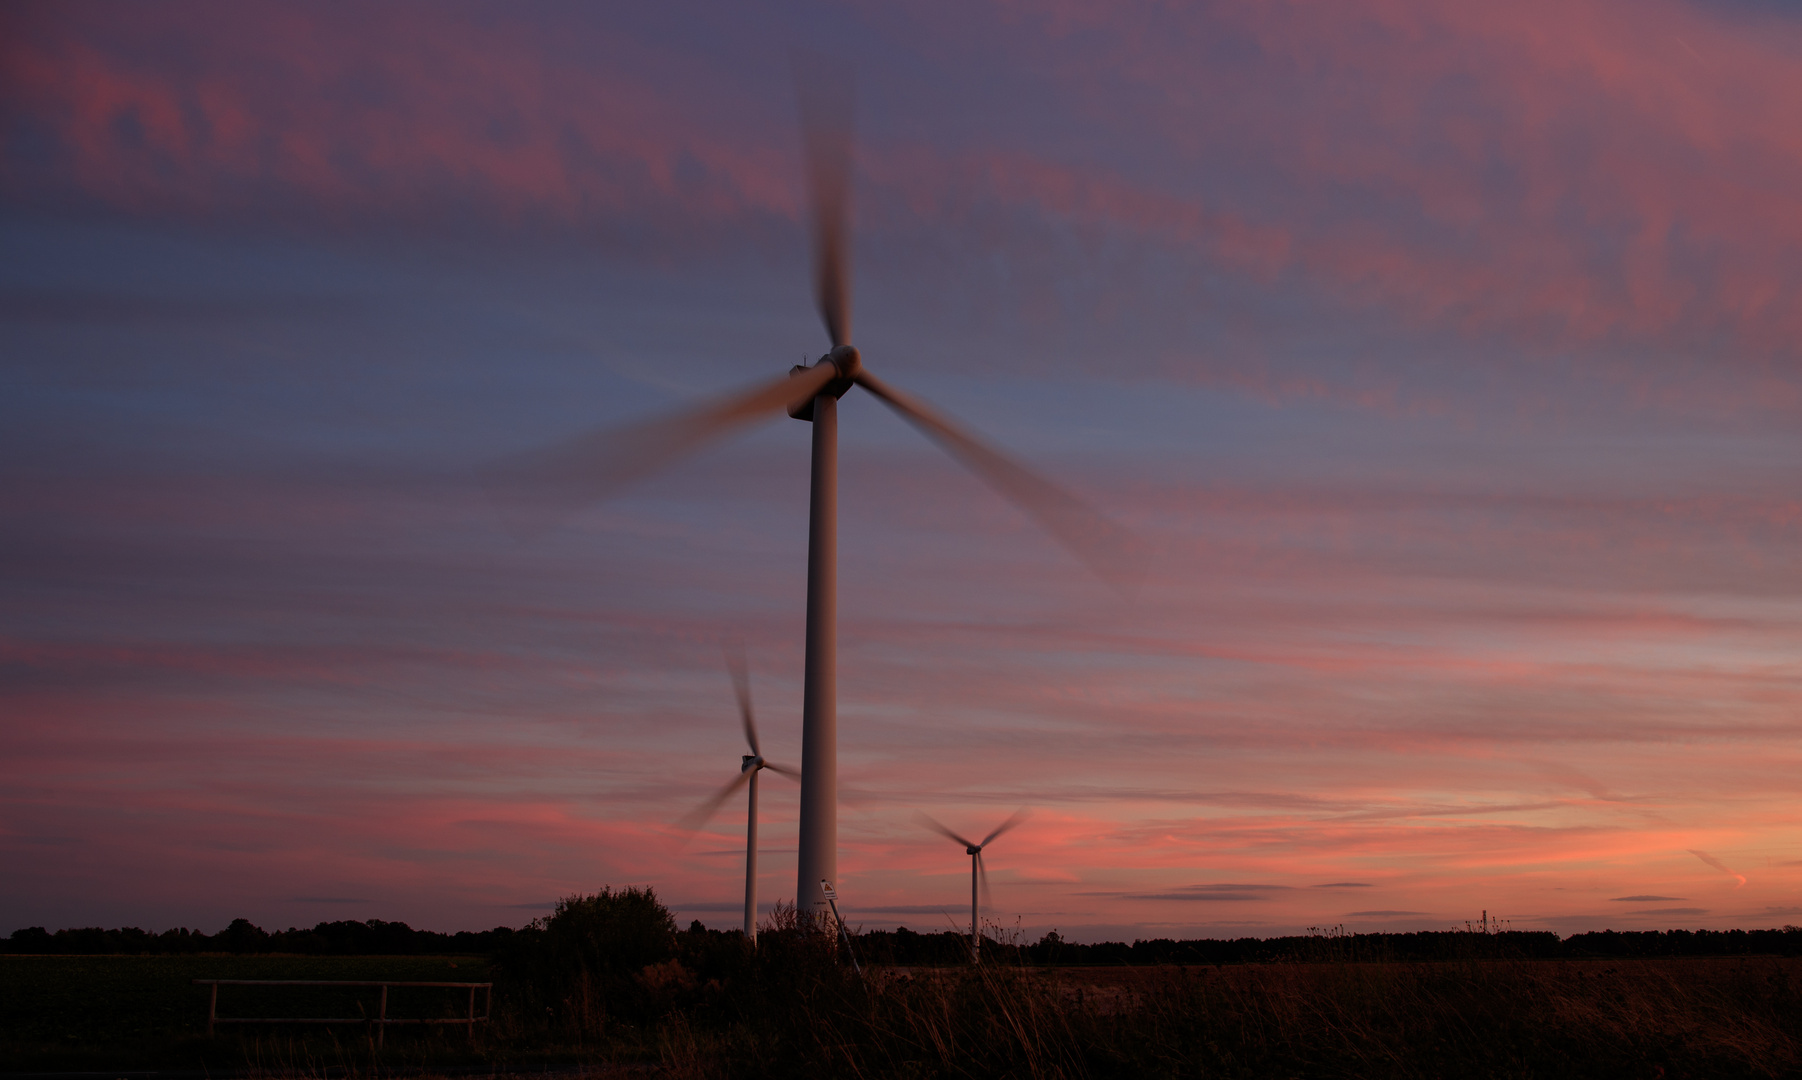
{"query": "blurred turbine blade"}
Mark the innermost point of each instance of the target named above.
(932, 823)
(791, 773)
(1019, 815)
(741, 684)
(700, 815)
(982, 875)
(1110, 551)
(824, 89)
(547, 483)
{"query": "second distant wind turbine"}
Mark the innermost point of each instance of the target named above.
(749, 766)
(978, 872)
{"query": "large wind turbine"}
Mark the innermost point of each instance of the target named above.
(749, 766)
(595, 466)
(977, 870)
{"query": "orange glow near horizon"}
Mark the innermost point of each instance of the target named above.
(1444, 356)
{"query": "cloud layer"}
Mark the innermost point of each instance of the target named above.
(1444, 356)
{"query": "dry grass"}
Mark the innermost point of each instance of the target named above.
(1648, 1018)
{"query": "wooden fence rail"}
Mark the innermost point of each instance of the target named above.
(381, 1020)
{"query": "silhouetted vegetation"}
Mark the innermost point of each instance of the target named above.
(1337, 946)
(610, 978)
(903, 946)
(1465, 1003)
(371, 938)
(595, 957)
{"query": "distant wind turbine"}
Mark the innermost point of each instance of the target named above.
(749, 766)
(977, 871)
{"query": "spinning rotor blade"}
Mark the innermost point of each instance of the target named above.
(703, 813)
(824, 89)
(1019, 815)
(1108, 549)
(592, 467)
(792, 774)
(741, 683)
(932, 823)
(982, 875)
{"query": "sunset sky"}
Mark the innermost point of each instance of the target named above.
(1444, 355)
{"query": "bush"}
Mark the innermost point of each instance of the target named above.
(593, 958)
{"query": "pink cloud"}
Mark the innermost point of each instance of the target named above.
(1625, 178)
(358, 117)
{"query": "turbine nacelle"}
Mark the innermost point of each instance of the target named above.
(845, 360)
(750, 763)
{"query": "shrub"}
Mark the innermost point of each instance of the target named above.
(593, 958)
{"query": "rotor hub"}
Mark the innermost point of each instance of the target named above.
(972, 851)
(845, 359)
(750, 763)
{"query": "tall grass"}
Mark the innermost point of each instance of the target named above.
(1477, 1018)
(795, 1008)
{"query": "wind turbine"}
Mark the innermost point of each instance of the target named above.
(595, 466)
(749, 766)
(977, 870)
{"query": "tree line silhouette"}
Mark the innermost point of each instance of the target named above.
(372, 937)
(376, 937)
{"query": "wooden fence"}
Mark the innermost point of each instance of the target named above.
(381, 1020)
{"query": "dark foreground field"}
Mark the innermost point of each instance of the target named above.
(1674, 1017)
(608, 980)
(60, 1013)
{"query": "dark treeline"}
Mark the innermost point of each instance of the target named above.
(906, 947)
(344, 938)
(903, 946)
(1423, 945)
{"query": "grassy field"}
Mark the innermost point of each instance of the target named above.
(1673, 1017)
(795, 1011)
(103, 1012)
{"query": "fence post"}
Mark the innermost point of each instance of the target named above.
(381, 1031)
(472, 1016)
(212, 1010)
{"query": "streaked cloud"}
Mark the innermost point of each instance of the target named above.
(1447, 364)
(1719, 865)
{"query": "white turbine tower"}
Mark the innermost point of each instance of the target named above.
(596, 466)
(978, 872)
(749, 766)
